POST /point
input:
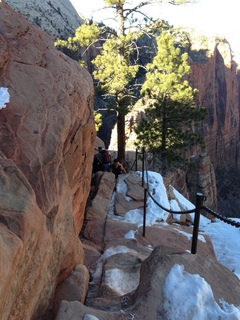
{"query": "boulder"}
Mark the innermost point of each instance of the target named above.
(147, 301)
(96, 213)
(73, 288)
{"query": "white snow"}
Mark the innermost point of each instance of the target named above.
(191, 292)
(195, 297)
(4, 97)
(89, 317)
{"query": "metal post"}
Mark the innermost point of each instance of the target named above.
(199, 200)
(143, 159)
(144, 211)
(136, 155)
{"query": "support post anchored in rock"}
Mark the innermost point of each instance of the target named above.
(143, 165)
(144, 211)
(199, 200)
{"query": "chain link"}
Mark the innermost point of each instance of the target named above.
(222, 218)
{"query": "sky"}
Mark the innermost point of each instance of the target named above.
(225, 238)
(4, 97)
(209, 17)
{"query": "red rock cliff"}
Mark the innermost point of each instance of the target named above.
(47, 137)
(216, 80)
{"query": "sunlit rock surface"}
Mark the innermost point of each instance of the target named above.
(47, 137)
(58, 18)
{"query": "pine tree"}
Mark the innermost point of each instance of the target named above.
(171, 115)
(116, 68)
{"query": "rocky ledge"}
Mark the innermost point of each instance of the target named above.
(142, 262)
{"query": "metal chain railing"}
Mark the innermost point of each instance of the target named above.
(222, 218)
(168, 210)
(155, 201)
(197, 210)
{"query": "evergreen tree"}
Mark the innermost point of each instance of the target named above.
(171, 119)
(116, 68)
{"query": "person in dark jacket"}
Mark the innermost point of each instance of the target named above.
(116, 168)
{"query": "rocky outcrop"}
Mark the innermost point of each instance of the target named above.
(47, 137)
(58, 18)
(202, 179)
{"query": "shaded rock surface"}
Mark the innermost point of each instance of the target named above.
(142, 265)
(46, 134)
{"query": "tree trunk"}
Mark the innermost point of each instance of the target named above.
(121, 136)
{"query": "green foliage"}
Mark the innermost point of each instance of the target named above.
(82, 64)
(86, 34)
(117, 66)
(115, 2)
(69, 44)
(170, 124)
(165, 73)
(113, 68)
(98, 120)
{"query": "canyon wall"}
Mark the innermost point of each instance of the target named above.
(214, 74)
(47, 137)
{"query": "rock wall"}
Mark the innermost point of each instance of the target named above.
(215, 76)
(202, 179)
(47, 138)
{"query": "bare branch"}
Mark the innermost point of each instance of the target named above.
(149, 2)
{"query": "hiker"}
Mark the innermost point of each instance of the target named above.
(97, 165)
(105, 158)
(116, 168)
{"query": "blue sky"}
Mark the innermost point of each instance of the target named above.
(210, 17)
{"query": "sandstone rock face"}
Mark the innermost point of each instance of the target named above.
(58, 18)
(96, 213)
(215, 78)
(203, 180)
(73, 288)
(47, 133)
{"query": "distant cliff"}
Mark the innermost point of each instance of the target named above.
(214, 74)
